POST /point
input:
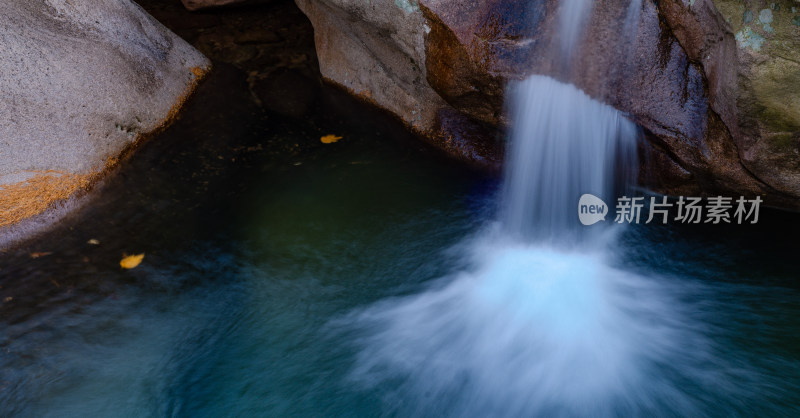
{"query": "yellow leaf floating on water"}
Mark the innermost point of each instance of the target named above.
(131, 261)
(329, 139)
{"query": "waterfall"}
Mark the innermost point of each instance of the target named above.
(563, 144)
(572, 19)
(540, 323)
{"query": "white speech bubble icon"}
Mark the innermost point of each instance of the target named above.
(591, 209)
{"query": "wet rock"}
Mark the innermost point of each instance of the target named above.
(727, 128)
(659, 170)
(376, 51)
(81, 82)
(468, 139)
(753, 70)
(638, 67)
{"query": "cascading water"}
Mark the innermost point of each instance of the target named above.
(572, 17)
(540, 323)
(563, 144)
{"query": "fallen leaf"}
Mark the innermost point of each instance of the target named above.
(37, 255)
(131, 261)
(329, 139)
(93, 242)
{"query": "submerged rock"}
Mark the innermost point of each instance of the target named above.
(722, 116)
(82, 81)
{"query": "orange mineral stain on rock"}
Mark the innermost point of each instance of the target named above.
(31, 197)
(22, 200)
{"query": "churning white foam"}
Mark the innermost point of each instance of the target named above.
(531, 330)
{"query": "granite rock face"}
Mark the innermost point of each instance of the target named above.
(80, 82)
(376, 50)
(754, 73)
(717, 99)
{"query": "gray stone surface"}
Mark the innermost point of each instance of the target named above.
(82, 79)
(376, 50)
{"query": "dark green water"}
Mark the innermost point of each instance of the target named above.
(260, 242)
(255, 235)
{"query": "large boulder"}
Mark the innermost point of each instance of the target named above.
(715, 98)
(750, 52)
(376, 50)
(81, 81)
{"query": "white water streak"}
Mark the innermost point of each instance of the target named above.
(563, 144)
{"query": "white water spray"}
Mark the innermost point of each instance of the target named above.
(534, 331)
(563, 144)
(540, 324)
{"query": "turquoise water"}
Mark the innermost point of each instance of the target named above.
(275, 266)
